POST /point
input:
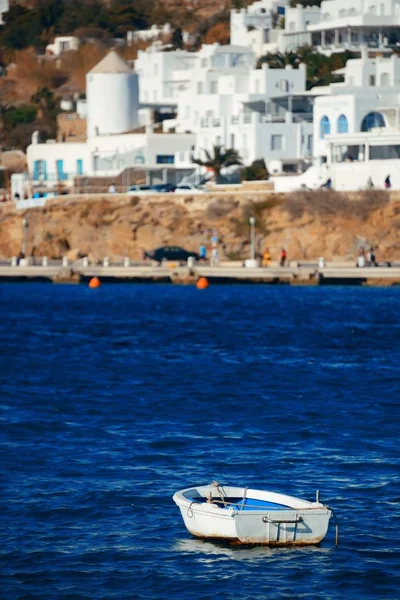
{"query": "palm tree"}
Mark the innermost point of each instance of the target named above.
(218, 159)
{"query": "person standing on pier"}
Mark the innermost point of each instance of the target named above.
(283, 257)
(203, 253)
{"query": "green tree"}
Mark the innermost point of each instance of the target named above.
(256, 171)
(21, 28)
(320, 68)
(177, 39)
(24, 113)
(219, 159)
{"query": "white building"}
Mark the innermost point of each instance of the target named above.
(114, 140)
(338, 26)
(147, 35)
(221, 97)
(258, 25)
(163, 75)
(62, 44)
(368, 98)
(356, 128)
(333, 27)
(4, 7)
(111, 83)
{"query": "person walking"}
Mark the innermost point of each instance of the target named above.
(283, 257)
(266, 258)
(112, 189)
(203, 253)
(388, 183)
(214, 257)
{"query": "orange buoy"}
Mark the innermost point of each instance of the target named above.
(202, 283)
(94, 283)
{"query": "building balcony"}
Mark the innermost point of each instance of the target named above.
(54, 177)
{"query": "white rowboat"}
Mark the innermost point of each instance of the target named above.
(252, 516)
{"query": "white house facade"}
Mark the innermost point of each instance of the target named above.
(356, 129)
(333, 27)
(369, 98)
(258, 25)
(114, 141)
(338, 25)
(224, 100)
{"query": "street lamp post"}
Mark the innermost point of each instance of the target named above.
(252, 239)
(24, 228)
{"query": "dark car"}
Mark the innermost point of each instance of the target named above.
(163, 187)
(170, 253)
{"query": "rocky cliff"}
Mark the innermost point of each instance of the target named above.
(308, 224)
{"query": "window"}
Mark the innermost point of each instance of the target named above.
(385, 79)
(276, 142)
(284, 85)
(199, 87)
(372, 9)
(342, 124)
(40, 170)
(79, 166)
(165, 159)
(61, 176)
(384, 152)
(324, 127)
(372, 80)
(214, 87)
(310, 143)
(372, 119)
(232, 140)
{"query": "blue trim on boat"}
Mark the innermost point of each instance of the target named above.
(248, 504)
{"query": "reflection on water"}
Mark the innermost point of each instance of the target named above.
(243, 552)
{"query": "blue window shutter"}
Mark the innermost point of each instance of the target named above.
(44, 167)
(79, 166)
(36, 170)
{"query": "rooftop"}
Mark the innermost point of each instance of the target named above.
(112, 63)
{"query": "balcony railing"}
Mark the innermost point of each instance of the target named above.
(55, 177)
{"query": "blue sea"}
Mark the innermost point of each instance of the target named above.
(113, 399)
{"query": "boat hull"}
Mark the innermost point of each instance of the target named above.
(305, 523)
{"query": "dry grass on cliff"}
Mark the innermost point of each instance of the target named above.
(324, 203)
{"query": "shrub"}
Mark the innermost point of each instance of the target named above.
(15, 115)
(219, 208)
(324, 203)
(256, 171)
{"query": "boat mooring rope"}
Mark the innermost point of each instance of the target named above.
(190, 510)
(336, 526)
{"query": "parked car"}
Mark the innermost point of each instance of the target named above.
(188, 188)
(164, 187)
(140, 189)
(170, 253)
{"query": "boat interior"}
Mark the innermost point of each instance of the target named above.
(235, 502)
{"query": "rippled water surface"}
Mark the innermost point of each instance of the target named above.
(113, 399)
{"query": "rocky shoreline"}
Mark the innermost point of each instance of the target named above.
(307, 224)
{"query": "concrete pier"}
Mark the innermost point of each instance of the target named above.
(295, 274)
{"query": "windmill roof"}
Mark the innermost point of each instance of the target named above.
(112, 63)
